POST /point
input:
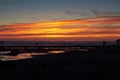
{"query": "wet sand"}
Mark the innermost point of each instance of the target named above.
(99, 63)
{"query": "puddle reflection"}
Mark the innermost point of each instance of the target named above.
(55, 52)
(19, 56)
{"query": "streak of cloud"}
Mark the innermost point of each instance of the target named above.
(75, 13)
(105, 13)
(76, 28)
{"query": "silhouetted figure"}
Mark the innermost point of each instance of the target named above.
(118, 42)
(36, 43)
(104, 43)
(1, 43)
(64, 44)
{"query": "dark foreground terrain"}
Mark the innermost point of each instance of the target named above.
(100, 63)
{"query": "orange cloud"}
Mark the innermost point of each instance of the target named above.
(105, 28)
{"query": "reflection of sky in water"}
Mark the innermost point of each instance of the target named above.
(25, 55)
(5, 52)
(55, 52)
(19, 56)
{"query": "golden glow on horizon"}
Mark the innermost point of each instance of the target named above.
(63, 29)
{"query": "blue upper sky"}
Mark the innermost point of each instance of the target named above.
(23, 11)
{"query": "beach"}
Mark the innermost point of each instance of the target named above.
(99, 63)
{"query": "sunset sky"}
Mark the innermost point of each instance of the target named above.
(60, 20)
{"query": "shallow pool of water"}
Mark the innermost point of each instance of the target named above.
(19, 56)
